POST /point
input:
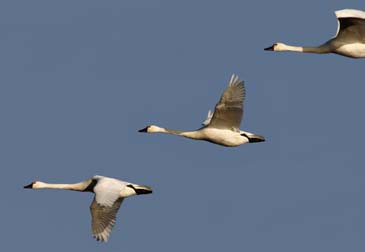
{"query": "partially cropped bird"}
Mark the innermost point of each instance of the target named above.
(223, 125)
(109, 195)
(349, 40)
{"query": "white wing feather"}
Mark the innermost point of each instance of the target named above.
(349, 13)
(209, 117)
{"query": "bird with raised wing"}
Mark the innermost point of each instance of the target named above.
(349, 40)
(223, 125)
(109, 194)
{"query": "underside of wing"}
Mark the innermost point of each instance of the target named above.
(103, 219)
(351, 26)
(351, 30)
(229, 110)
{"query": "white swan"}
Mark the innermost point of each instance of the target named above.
(222, 126)
(349, 40)
(109, 194)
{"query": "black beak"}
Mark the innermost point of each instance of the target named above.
(143, 130)
(30, 186)
(271, 48)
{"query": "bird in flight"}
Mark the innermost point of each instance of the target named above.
(221, 127)
(109, 195)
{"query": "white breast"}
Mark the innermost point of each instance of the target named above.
(224, 137)
(355, 50)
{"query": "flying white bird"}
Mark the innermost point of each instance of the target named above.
(349, 40)
(109, 195)
(223, 125)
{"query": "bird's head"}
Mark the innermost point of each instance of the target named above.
(34, 185)
(151, 129)
(276, 47)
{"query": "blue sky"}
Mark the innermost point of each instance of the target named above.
(79, 78)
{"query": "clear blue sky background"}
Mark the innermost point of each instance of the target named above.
(79, 78)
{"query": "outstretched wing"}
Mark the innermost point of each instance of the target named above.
(229, 110)
(351, 26)
(103, 219)
(105, 206)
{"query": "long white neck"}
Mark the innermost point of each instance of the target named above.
(196, 134)
(320, 49)
(76, 187)
(189, 134)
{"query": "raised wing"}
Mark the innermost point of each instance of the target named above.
(351, 26)
(229, 110)
(103, 219)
